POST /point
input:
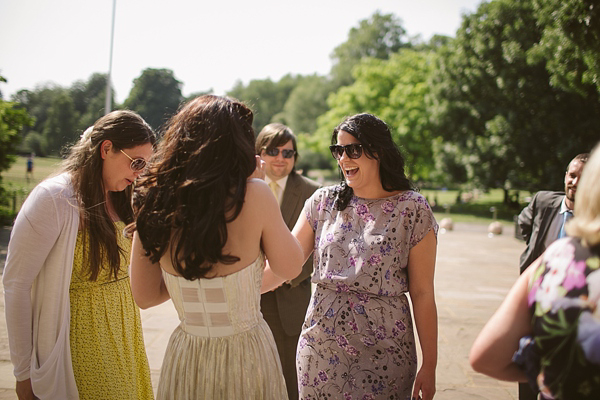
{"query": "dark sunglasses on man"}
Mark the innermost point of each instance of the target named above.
(274, 152)
(353, 150)
(137, 164)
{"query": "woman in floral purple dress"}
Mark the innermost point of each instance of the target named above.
(547, 330)
(374, 240)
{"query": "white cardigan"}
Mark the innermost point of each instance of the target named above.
(37, 276)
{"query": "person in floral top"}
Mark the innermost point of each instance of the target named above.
(547, 330)
(374, 240)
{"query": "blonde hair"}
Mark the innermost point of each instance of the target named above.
(586, 223)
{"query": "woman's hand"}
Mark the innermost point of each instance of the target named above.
(259, 172)
(24, 390)
(424, 384)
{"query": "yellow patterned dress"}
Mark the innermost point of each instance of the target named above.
(107, 345)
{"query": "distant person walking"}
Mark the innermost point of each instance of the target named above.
(29, 170)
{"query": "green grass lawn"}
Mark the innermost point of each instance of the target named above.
(15, 179)
(478, 206)
(18, 186)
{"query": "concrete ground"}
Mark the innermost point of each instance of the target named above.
(473, 274)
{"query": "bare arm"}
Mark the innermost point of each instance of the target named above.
(305, 238)
(421, 266)
(495, 345)
(281, 248)
(270, 280)
(147, 284)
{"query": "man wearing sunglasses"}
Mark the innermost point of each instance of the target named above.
(285, 307)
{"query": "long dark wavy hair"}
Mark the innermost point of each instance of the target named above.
(196, 184)
(377, 142)
(125, 129)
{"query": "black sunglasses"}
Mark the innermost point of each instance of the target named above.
(137, 164)
(353, 150)
(274, 152)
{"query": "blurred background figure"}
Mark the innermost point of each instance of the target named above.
(547, 330)
(284, 308)
(29, 167)
(543, 221)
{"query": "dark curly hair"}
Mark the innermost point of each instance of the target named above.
(196, 184)
(376, 138)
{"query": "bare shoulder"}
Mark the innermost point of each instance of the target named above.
(258, 196)
(257, 188)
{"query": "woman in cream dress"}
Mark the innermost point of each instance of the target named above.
(203, 230)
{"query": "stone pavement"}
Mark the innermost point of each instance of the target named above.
(473, 274)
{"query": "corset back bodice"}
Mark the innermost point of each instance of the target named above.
(221, 306)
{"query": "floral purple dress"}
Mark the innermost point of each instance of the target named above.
(562, 357)
(357, 341)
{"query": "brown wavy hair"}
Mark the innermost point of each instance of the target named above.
(125, 129)
(196, 184)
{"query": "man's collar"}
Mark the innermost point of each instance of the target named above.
(281, 182)
(563, 206)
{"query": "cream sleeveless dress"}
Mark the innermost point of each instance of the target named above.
(223, 348)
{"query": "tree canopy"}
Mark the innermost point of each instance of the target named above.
(506, 103)
(501, 120)
(377, 37)
(12, 120)
(156, 96)
(394, 90)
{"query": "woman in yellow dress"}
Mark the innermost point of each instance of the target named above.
(73, 327)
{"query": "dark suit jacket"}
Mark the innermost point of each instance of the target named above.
(292, 299)
(534, 222)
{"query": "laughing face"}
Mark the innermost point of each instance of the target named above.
(361, 174)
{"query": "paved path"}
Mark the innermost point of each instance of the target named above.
(473, 274)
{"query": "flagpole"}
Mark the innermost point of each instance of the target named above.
(107, 103)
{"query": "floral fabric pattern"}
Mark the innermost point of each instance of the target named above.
(357, 341)
(563, 358)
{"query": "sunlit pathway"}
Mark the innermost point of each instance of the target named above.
(474, 272)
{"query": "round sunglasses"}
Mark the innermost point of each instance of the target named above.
(137, 164)
(353, 150)
(274, 152)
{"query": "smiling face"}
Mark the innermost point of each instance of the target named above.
(361, 174)
(278, 167)
(116, 167)
(571, 181)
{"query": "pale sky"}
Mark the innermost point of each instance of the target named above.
(207, 44)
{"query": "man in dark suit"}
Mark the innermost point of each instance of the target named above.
(542, 222)
(284, 308)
